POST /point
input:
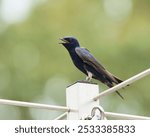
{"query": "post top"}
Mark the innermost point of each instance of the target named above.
(82, 82)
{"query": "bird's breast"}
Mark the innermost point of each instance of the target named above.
(78, 62)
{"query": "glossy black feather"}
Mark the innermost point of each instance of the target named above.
(86, 62)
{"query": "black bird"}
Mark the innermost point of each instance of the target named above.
(86, 63)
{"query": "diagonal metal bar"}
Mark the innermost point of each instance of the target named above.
(123, 84)
(62, 116)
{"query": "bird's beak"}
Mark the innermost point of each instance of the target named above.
(63, 41)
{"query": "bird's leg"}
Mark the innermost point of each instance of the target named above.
(89, 76)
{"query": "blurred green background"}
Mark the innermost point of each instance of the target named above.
(35, 68)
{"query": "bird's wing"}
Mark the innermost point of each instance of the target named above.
(89, 59)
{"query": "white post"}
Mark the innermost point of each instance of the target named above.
(80, 98)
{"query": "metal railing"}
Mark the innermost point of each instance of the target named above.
(124, 83)
(104, 93)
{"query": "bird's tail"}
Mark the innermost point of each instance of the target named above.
(117, 81)
(120, 95)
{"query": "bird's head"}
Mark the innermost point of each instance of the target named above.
(69, 42)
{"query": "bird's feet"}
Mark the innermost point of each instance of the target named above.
(88, 79)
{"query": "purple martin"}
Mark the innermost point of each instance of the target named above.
(88, 64)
